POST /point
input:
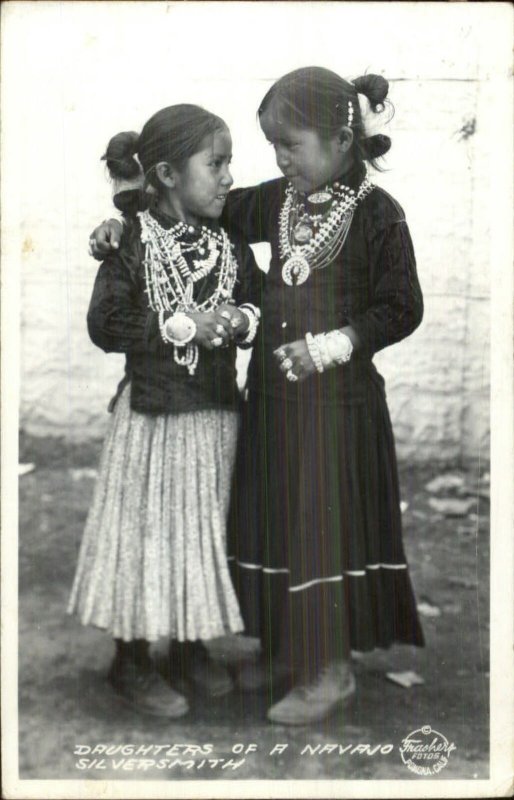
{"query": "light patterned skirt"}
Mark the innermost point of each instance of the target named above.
(153, 558)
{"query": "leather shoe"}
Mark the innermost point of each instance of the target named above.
(142, 688)
(191, 660)
(252, 676)
(313, 701)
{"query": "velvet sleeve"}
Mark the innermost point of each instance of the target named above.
(396, 307)
(251, 279)
(249, 212)
(117, 320)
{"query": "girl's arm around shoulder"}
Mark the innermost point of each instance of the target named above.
(118, 319)
(396, 307)
(253, 212)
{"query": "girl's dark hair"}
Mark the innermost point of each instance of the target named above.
(119, 156)
(317, 99)
(173, 134)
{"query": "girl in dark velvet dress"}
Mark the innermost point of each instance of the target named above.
(317, 554)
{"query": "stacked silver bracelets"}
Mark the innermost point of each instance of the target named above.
(328, 349)
(253, 315)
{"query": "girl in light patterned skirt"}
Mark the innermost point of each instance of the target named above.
(175, 297)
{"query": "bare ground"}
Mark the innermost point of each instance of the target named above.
(65, 701)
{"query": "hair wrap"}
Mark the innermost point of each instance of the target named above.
(374, 87)
(373, 122)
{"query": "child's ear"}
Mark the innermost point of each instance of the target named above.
(345, 138)
(165, 174)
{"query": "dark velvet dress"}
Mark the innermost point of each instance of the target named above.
(316, 524)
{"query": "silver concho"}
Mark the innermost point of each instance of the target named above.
(302, 233)
(296, 270)
(319, 197)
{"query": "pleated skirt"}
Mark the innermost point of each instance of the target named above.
(153, 559)
(316, 532)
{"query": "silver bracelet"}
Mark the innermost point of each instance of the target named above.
(253, 315)
(339, 346)
(314, 351)
(326, 359)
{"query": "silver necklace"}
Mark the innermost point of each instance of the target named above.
(170, 280)
(308, 242)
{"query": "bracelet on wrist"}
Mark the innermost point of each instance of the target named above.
(320, 341)
(339, 346)
(253, 315)
(314, 352)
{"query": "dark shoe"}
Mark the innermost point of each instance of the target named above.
(142, 688)
(191, 660)
(311, 702)
(253, 676)
(210, 677)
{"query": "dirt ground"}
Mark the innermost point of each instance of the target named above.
(65, 701)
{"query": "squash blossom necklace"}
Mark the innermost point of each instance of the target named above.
(312, 233)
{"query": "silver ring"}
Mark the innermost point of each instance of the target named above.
(217, 342)
(220, 328)
(291, 376)
(281, 353)
(287, 364)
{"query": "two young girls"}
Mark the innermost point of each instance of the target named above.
(175, 298)
(317, 551)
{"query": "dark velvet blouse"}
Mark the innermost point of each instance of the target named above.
(371, 285)
(121, 321)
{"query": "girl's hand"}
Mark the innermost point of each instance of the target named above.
(212, 331)
(294, 360)
(232, 317)
(105, 238)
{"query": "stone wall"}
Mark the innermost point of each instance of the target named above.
(85, 71)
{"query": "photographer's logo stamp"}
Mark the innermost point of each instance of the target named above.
(426, 751)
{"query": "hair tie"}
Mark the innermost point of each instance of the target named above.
(127, 184)
(373, 122)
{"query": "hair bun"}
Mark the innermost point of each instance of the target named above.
(375, 87)
(376, 146)
(120, 155)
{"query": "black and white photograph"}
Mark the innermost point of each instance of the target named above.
(257, 401)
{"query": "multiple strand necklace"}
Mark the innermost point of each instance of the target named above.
(310, 240)
(171, 278)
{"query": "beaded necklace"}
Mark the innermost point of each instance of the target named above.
(170, 280)
(311, 241)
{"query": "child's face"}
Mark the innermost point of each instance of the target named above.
(305, 159)
(201, 187)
